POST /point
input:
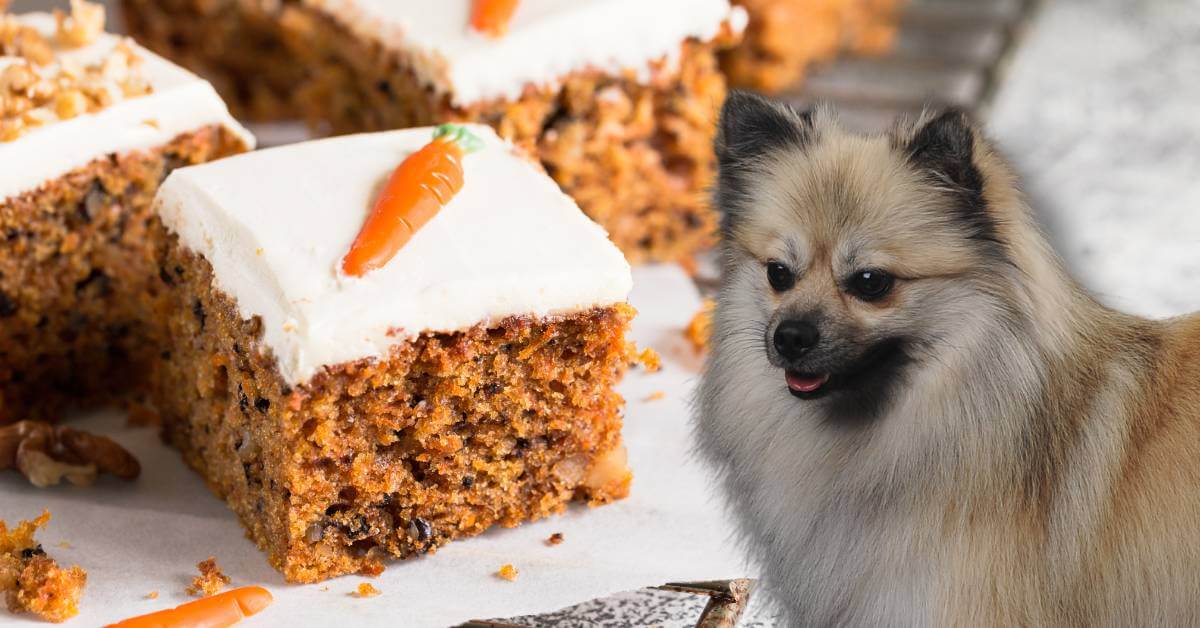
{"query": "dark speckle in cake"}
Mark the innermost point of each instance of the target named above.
(8, 307)
(198, 312)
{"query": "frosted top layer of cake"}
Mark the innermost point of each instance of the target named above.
(547, 39)
(178, 102)
(276, 223)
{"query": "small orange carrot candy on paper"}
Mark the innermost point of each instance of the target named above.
(491, 17)
(419, 187)
(217, 611)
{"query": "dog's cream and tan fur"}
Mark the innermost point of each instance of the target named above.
(1034, 460)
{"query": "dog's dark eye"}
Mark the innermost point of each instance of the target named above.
(870, 285)
(780, 276)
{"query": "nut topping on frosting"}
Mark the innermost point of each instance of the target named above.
(40, 87)
(82, 26)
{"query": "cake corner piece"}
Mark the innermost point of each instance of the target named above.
(95, 122)
(467, 383)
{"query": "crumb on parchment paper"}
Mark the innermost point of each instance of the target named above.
(211, 579)
(649, 359)
(507, 572)
(366, 589)
(31, 581)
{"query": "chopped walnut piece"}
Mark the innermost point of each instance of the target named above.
(70, 103)
(33, 582)
(19, 40)
(82, 26)
(366, 590)
(699, 329)
(17, 78)
(507, 572)
(46, 454)
(210, 580)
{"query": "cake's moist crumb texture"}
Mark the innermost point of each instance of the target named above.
(786, 37)
(635, 154)
(31, 581)
(449, 435)
(79, 271)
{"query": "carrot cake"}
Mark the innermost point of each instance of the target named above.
(616, 97)
(90, 123)
(368, 365)
(786, 37)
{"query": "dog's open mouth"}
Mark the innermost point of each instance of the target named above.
(879, 365)
(806, 385)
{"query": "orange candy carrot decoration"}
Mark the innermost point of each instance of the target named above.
(419, 188)
(491, 17)
(217, 611)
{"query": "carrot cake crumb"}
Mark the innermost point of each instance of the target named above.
(555, 539)
(656, 395)
(366, 589)
(649, 359)
(31, 581)
(153, 595)
(699, 330)
(508, 572)
(64, 545)
(210, 580)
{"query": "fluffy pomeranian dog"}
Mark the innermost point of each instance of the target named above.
(918, 418)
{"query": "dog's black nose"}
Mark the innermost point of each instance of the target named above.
(794, 338)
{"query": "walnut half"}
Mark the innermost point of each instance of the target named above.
(46, 454)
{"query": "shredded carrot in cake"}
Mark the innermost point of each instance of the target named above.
(491, 17)
(416, 191)
(507, 572)
(223, 609)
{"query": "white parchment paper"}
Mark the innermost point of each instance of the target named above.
(148, 536)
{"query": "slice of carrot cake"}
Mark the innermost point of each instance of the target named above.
(383, 342)
(89, 125)
(787, 37)
(616, 97)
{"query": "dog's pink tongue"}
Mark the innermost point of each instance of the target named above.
(803, 383)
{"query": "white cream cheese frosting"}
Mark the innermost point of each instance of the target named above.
(178, 103)
(276, 223)
(547, 39)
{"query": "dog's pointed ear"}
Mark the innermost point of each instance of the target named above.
(944, 146)
(751, 126)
